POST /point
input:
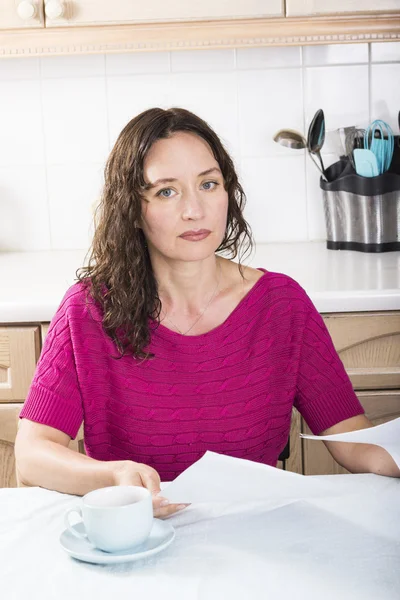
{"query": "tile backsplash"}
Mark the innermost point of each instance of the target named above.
(60, 116)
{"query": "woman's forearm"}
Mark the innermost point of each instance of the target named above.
(48, 464)
(367, 458)
(53, 466)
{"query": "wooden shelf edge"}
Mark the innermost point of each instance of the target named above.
(197, 35)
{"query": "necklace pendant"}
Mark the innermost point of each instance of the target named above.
(203, 311)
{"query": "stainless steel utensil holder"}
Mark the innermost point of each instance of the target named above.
(361, 213)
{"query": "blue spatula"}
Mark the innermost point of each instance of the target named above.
(365, 162)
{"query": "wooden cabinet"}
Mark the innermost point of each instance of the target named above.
(369, 347)
(19, 351)
(379, 408)
(8, 430)
(17, 14)
(61, 27)
(295, 8)
(103, 12)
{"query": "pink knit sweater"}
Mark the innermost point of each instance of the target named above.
(230, 390)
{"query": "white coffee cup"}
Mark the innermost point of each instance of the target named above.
(115, 518)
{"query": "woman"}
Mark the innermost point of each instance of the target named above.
(165, 349)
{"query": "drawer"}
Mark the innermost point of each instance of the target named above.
(19, 352)
(369, 346)
(379, 407)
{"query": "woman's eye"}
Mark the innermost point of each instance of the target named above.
(161, 192)
(214, 182)
(164, 190)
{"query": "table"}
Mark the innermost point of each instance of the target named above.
(342, 547)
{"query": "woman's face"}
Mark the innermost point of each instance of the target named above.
(190, 201)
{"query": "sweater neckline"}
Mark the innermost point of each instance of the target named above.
(164, 332)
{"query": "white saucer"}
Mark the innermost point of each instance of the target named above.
(161, 535)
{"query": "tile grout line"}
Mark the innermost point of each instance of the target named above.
(237, 110)
(107, 104)
(303, 93)
(46, 178)
(369, 82)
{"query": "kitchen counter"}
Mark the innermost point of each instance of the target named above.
(33, 283)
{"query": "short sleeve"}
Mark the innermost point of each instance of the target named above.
(54, 397)
(324, 394)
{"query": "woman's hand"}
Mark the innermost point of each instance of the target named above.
(127, 472)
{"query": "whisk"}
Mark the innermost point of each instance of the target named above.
(379, 138)
(354, 139)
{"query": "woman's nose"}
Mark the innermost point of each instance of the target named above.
(192, 206)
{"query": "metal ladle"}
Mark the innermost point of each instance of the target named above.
(295, 140)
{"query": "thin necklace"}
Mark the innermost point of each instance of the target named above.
(204, 310)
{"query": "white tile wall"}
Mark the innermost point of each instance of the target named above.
(59, 117)
(73, 192)
(276, 198)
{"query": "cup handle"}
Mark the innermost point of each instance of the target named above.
(75, 509)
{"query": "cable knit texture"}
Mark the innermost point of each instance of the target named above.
(230, 390)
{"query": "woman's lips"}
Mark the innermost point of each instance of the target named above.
(195, 237)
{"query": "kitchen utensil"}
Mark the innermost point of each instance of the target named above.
(366, 162)
(336, 139)
(291, 138)
(354, 139)
(316, 136)
(379, 139)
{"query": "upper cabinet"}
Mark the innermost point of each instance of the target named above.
(103, 12)
(56, 27)
(17, 14)
(296, 8)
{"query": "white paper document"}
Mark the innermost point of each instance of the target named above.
(386, 435)
(219, 478)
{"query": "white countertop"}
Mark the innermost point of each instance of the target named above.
(33, 283)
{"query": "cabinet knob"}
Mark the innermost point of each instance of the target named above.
(26, 10)
(54, 9)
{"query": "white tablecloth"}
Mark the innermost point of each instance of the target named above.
(345, 547)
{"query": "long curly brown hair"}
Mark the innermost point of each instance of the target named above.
(119, 274)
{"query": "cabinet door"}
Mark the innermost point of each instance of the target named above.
(19, 351)
(17, 14)
(8, 431)
(296, 8)
(379, 407)
(369, 346)
(104, 12)
(9, 422)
